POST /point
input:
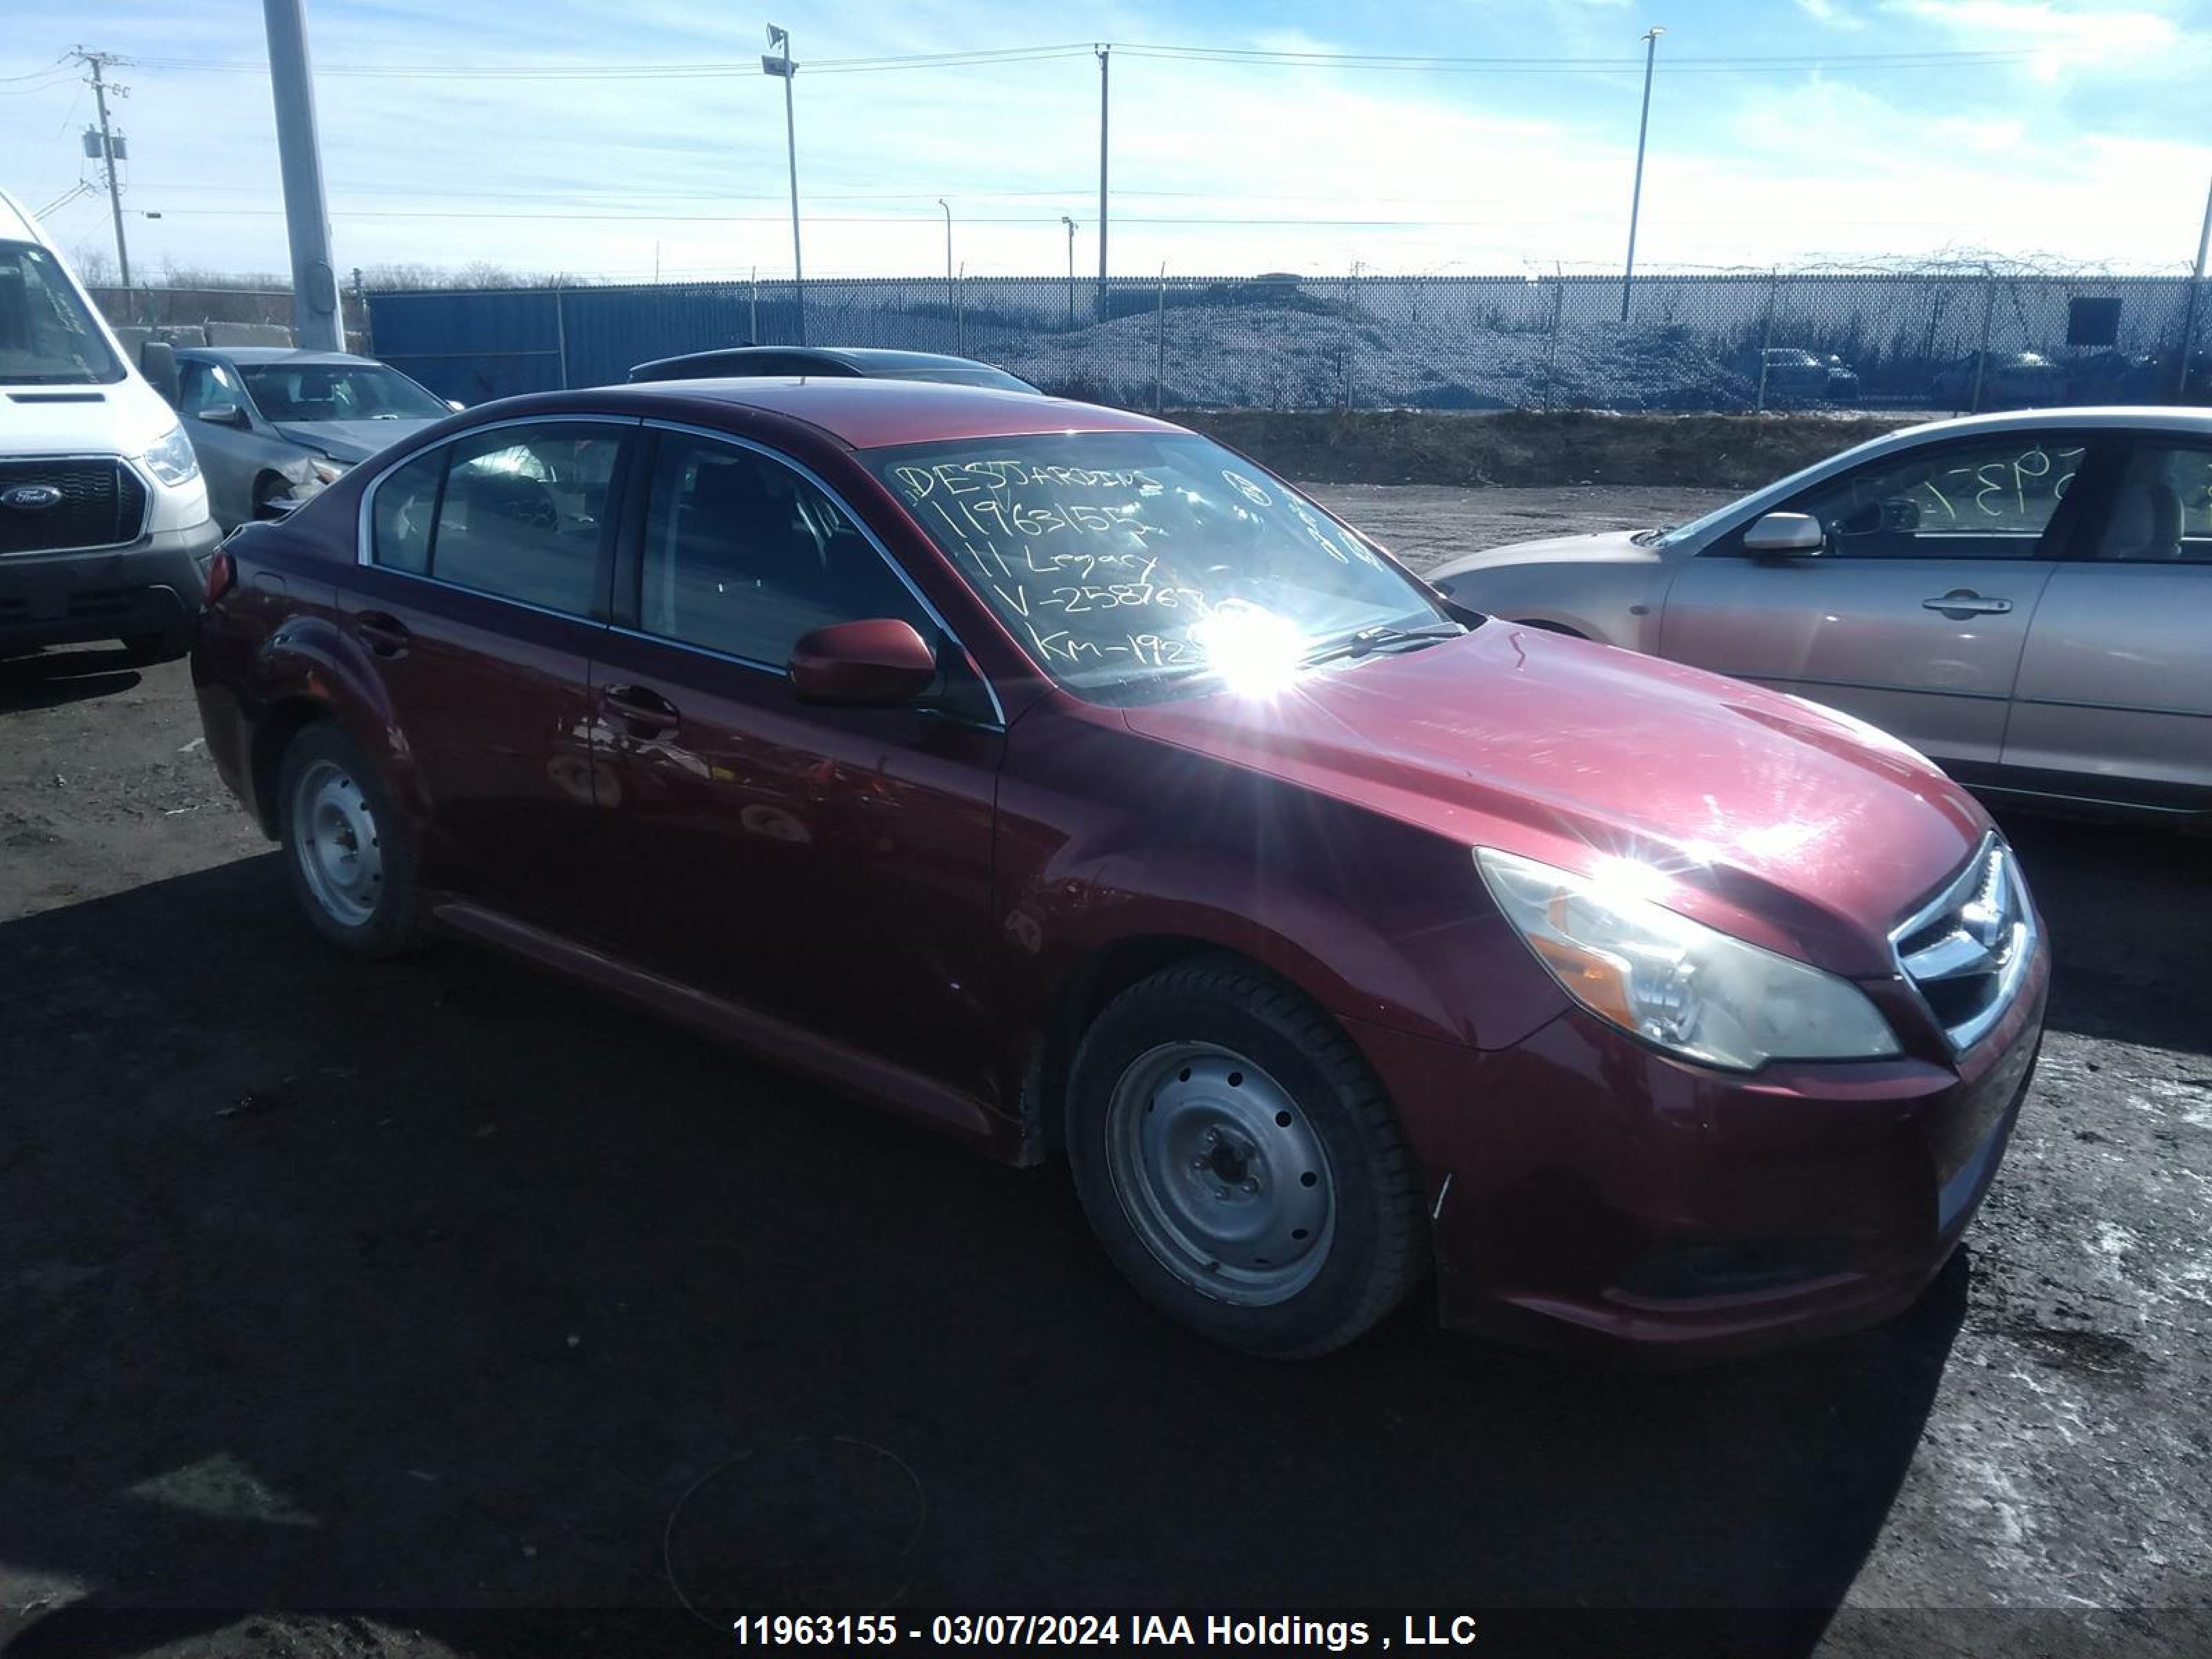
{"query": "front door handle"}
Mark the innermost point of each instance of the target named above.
(386, 636)
(645, 711)
(1964, 602)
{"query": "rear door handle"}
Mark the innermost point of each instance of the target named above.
(387, 636)
(1965, 602)
(646, 710)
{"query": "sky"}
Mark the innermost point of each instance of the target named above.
(618, 140)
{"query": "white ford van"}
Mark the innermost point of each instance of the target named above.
(104, 525)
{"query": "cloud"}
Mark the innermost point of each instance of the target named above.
(1466, 172)
(1830, 14)
(2075, 32)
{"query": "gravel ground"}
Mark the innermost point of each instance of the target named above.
(1426, 523)
(485, 1318)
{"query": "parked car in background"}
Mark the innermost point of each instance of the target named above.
(2010, 379)
(103, 514)
(834, 362)
(2117, 377)
(272, 425)
(1062, 780)
(1793, 375)
(2025, 598)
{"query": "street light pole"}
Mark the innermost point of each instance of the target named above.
(782, 67)
(1636, 201)
(1105, 56)
(947, 206)
(1070, 224)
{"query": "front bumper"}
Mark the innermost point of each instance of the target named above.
(149, 586)
(1592, 1194)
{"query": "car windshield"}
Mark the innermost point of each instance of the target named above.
(47, 336)
(338, 392)
(1137, 565)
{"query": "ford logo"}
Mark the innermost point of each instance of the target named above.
(31, 498)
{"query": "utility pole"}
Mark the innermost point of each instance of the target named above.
(1105, 55)
(98, 63)
(315, 323)
(787, 71)
(1636, 201)
(2196, 288)
(1070, 224)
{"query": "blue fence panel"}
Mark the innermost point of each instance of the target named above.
(1937, 341)
(472, 347)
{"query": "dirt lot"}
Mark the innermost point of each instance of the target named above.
(442, 1300)
(1528, 448)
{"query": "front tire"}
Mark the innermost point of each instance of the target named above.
(351, 870)
(1240, 1162)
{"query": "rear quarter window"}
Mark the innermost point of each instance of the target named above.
(406, 508)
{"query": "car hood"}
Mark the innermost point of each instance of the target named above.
(1602, 547)
(1769, 817)
(348, 440)
(124, 417)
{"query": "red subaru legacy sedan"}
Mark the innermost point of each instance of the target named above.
(1064, 780)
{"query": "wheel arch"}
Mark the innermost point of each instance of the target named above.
(1091, 981)
(284, 721)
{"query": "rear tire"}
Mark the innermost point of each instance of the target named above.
(1239, 1161)
(350, 867)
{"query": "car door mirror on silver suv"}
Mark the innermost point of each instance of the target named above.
(224, 414)
(1795, 533)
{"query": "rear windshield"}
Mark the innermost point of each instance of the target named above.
(47, 334)
(1137, 565)
(996, 380)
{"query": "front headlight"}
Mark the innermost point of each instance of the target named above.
(326, 471)
(1676, 983)
(171, 458)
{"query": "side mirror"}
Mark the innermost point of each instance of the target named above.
(157, 361)
(224, 414)
(883, 660)
(1785, 532)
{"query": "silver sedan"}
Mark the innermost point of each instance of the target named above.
(2026, 597)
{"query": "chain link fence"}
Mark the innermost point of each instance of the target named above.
(1940, 341)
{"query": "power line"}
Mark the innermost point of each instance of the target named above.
(695, 69)
(60, 63)
(1001, 219)
(689, 71)
(1739, 63)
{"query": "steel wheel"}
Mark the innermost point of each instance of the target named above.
(338, 844)
(1220, 1173)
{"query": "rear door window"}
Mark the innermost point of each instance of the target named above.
(519, 513)
(2161, 509)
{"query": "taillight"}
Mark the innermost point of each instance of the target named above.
(221, 576)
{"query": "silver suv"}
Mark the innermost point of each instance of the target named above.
(2026, 597)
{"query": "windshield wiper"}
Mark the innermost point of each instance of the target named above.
(1382, 638)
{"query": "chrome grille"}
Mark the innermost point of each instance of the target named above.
(1968, 949)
